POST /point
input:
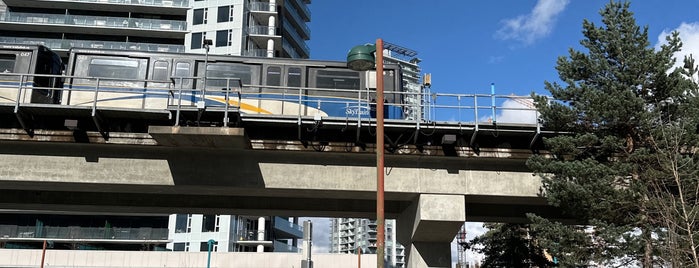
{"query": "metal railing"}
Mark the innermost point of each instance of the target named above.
(96, 21)
(262, 6)
(158, 3)
(299, 21)
(74, 232)
(262, 30)
(230, 94)
(70, 43)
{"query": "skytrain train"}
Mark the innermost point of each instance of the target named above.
(153, 80)
(18, 63)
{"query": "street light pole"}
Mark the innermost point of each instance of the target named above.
(380, 222)
(359, 58)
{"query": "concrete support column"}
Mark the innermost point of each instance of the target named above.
(427, 227)
(261, 233)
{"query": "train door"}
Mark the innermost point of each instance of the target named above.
(285, 93)
(45, 87)
(182, 75)
(158, 87)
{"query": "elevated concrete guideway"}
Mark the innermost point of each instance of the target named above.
(129, 178)
(222, 171)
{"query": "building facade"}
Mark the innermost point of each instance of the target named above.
(29, 230)
(236, 27)
(233, 233)
(271, 28)
(349, 235)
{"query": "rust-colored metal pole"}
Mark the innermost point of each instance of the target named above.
(380, 229)
(43, 254)
(359, 257)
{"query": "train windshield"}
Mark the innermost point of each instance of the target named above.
(7, 63)
(114, 68)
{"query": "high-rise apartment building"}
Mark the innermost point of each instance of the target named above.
(236, 27)
(349, 235)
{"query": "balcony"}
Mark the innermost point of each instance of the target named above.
(262, 7)
(95, 21)
(284, 247)
(286, 229)
(300, 42)
(300, 23)
(65, 44)
(306, 13)
(259, 53)
(160, 7)
(263, 30)
(14, 232)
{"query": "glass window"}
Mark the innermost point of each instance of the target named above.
(114, 68)
(225, 13)
(208, 223)
(178, 247)
(200, 16)
(197, 40)
(337, 79)
(274, 76)
(160, 72)
(294, 79)
(181, 224)
(182, 69)
(222, 38)
(7, 63)
(204, 246)
(228, 70)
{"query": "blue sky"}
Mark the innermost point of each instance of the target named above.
(466, 45)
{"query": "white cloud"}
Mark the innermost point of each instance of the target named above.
(518, 111)
(321, 234)
(473, 229)
(689, 34)
(533, 26)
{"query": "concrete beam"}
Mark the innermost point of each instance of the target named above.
(214, 137)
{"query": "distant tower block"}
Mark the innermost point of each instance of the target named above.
(462, 243)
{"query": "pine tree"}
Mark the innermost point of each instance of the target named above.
(618, 97)
(509, 245)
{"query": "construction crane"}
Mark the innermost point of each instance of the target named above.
(462, 243)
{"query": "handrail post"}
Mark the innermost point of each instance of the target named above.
(225, 112)
(22, 77)
(179, 103)
(94, 103)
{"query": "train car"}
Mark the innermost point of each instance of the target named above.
(275, 86)
(18, 66)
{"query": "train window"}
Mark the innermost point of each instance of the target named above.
(182, 69)
(160, 72)
(7, 63)
(337, 79)
(294, 78)
(114, 68)
(274, 76)
(228, 70)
